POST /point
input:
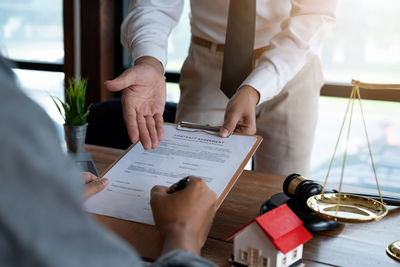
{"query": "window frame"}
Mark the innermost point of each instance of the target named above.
(42, 66)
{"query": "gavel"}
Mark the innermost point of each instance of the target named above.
(300, 188)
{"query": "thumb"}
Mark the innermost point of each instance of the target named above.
(158, 189)
(157, 196)
(126, 79)
(229, 125)
(95, 187)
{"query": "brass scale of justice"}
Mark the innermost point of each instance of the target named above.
(351, 208)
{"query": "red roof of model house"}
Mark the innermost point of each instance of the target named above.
(282, 227)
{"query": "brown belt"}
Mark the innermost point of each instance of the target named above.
(220, 47)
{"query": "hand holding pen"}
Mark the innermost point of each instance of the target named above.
(184, 218)
(181, 184)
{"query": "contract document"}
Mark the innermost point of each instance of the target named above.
(218, 161)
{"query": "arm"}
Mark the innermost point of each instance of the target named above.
(145, 34)
(301, 35)
(184, 217)
(146, 28)
(41, 216)
(42, 222)
(47, 225)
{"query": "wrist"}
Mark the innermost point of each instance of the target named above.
(152, 61)
(180, 237)
(251, 92)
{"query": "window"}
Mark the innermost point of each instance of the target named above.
(244, 255)
(364, 44)
(179, 40)
(294, 254)
(254, 256)
(40, 85)
(31, 35)
(384, 133)
(284, 261)
(32, 30)
(264, 262)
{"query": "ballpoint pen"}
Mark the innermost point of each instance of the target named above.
(181, 184)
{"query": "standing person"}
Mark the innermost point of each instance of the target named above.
(278, 98)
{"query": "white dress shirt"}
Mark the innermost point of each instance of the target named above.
(293, 28)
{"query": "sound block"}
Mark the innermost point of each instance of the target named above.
(312, 222)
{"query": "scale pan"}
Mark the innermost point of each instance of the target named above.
(394, 250)
(347, 207)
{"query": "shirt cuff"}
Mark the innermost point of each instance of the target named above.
(181, 257)
(264, 80)
(148, 49)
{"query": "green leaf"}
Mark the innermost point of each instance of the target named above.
(74, 104)
(54, 98)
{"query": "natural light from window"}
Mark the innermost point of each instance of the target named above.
(29, 32)
(364, 44)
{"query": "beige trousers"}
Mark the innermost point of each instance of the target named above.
(286, 122)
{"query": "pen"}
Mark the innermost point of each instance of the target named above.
(181, 184)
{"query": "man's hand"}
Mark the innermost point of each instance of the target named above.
(143, 100)
(93, 185)
(184, 217)
(240, 113)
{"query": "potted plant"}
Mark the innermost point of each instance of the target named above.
(74, 113)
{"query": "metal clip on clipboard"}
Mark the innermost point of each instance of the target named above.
(194, 127)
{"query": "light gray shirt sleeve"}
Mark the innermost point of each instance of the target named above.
(42, 222)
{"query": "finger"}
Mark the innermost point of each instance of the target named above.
(95, 187)
(251, 128)
(157, 197)
(246, 130)
(198, 184)
(143, 132)
(195, 182)
(151, 127)
(158, 189)
(231, 120)
(158, 118)
(87, 177)
(126, 79)
(248, 125)
(130, 119)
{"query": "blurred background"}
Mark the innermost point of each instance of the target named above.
(364, 44)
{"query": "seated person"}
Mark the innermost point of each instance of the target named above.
(42, 222)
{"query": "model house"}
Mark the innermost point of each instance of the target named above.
(275, 238)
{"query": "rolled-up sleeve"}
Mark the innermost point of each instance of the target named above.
(147, 26)
(301, 35)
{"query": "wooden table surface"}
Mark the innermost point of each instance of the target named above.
(350, 245)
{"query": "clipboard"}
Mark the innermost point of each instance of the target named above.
(224, 188)
(184, 126)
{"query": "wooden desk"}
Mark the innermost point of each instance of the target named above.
(351, 245)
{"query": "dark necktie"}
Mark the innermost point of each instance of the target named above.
(239, 45)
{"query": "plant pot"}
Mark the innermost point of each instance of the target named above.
(75, 137)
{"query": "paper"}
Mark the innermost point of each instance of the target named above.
(181, 153)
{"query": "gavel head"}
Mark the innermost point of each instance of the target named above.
(300, 188)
